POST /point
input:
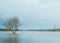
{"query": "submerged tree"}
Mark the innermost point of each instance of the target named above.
(12, 24)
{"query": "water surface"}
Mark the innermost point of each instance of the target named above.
(30, 37)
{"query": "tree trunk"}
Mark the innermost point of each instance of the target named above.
(14, 32)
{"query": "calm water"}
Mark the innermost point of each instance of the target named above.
(30, 37)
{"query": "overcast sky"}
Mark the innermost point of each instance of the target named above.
(33, 14)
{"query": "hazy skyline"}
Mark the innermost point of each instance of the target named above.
(33, 14)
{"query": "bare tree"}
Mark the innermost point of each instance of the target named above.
(12, 24)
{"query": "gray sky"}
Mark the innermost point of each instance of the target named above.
(33, 14)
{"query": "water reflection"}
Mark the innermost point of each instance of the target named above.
(11, 39)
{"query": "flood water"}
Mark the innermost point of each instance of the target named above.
(30, 37)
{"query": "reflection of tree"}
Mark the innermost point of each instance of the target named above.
(12, 39)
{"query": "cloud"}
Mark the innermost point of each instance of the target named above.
(32, 12)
